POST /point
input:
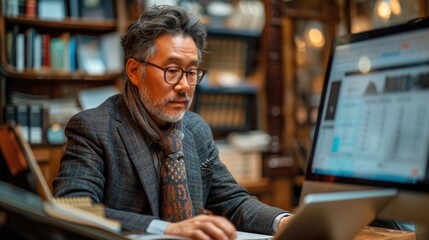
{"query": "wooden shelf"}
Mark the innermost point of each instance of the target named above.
(96, 26)
(60, 76)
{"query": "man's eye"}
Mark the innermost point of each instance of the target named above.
(172, 70)
(192, 72)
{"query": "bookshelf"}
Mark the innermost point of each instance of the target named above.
(226, 99)
(227, 109)
(41, 54)
(41, 64)
(232, 50)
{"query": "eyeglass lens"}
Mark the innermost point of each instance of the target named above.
(174, 74)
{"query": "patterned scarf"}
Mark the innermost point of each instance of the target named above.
(176, 203)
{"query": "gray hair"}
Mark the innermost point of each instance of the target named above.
(139, 40)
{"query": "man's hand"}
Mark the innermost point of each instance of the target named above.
(203, 227)
(283, 222)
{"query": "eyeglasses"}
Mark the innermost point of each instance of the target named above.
(173, 75)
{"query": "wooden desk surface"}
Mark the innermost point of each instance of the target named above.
(383, 234)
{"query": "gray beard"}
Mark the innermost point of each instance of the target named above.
(158, 110)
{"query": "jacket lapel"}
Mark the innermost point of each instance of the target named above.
(140, 155)
(193, 171)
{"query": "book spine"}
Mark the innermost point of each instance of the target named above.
(9, 114)
(74, 8)
(21, 117)
(12, 8)
(20, 52)
(10, 47)
(31, 8)
(35, 124)
(46, 54)
(37, 52)
(29, 45)
(72, 53)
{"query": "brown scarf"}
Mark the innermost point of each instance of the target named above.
(176, 203)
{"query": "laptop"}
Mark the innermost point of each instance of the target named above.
(369, 155)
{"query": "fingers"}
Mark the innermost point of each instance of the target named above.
(204, 228)
(219, 228)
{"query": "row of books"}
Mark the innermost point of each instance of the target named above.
(223, 110)
(42, 119)
(227, 54)
(33, 50)
(227, 109)
(32, 120)
(59, 9)
(243, 165)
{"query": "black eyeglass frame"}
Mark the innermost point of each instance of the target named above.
(181, 74)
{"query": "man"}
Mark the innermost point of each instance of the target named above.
(120, 153)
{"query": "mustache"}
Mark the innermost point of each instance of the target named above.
(179, 97)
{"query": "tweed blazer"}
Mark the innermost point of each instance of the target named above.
(108, 158)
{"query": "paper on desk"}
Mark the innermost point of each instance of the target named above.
(250, 236)
(240, 236)
(144, 236)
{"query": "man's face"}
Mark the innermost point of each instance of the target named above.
(166, 102)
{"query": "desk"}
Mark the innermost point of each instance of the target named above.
(383, 234)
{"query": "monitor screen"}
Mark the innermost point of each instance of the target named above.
(372, 130)
(374, 120)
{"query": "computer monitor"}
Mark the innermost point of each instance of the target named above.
(372, 130)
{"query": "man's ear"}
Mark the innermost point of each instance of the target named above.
(134, 71)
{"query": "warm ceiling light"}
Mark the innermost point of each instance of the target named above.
(316, 37)
(383, 9)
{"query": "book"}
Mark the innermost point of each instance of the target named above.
(92, 97)
(21, 7)
(29, 47)
(243, 165)
(88, 54)
(74, 11)
(83, 203)
(65, 38)
(51, 9)
(20, 52)
(72, 52)
(35, 123)
(59, 52)
(100, 9)
(111, 52)
(10, 47)
(37, 52)
(31, 8)
(46, 51)
(21, 116)
(9, 114)
(73, 214)
(12, 8)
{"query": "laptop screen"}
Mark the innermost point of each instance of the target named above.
(373, 126)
